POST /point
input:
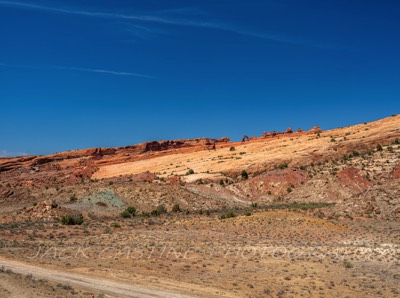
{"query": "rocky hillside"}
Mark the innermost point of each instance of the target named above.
(356, 167)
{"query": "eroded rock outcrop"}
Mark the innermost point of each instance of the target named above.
(45, 211)
(396, 172)
(352, 178)
(315, 129)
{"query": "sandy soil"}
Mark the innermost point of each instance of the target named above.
(265, 254)
(104, 286)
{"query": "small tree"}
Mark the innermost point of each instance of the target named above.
(190, 172)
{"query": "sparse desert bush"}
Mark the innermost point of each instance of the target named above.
(244, 174)
(190, 172)
(72, 219)
(232, 149)
(145, 214)
(176, 208)
(131, 210)
(295, 205)
(155, 212)
(126, 214)
(283, 165)
(161, 209)
(379, 147)
(228, 215)
(347, 264)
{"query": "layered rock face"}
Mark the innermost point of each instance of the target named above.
(116, 154)
(341, 165)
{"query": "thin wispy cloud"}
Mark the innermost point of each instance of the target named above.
(112, 72)
(162, 19)
(81, 69)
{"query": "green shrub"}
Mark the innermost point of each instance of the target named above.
(155, 212)
(254, 205)
(232, 149)
(145, 214)
(230, 215)
(126, 214)
(176, 208)
(72, 219)
(161, 209)
(347, 264)
(283, 165)
(67, 220)
(131, 210)
(379, 147)
(245, 176)
(190, 172)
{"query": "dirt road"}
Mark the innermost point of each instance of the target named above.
(111, 288)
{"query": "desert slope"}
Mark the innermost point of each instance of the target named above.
(294, 149)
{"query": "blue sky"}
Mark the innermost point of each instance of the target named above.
(79, 74)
